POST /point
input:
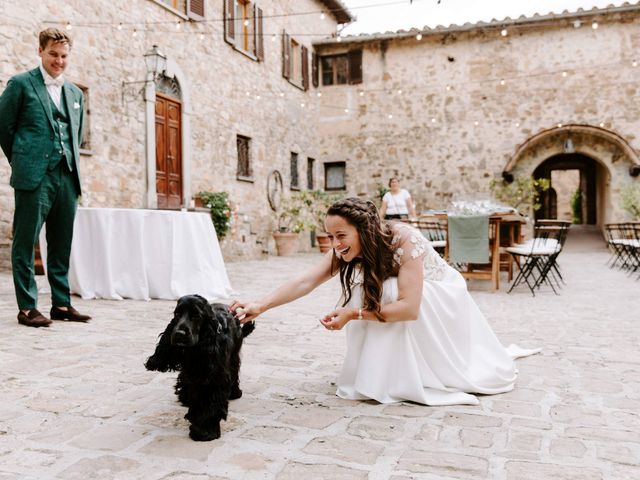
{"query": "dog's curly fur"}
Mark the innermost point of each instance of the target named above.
(203, 343)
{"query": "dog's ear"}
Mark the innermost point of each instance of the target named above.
(166, 357)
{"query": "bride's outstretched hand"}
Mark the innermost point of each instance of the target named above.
(337, 319)
(245, 311)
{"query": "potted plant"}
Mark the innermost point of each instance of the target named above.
(291, 218)
(318, 202)
(220, 207)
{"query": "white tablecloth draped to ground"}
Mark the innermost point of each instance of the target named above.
(142, 254)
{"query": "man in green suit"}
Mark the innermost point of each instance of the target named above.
(41, 117)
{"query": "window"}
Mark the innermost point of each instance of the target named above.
(310, 176)
(189, 9)
(295, 62)
(243, 27)
(334, 176)
(342, 69)
(295, 181)
(85, 147)
(244, 159)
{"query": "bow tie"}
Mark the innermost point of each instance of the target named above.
(56, 82)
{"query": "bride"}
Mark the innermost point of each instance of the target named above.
(413, 331)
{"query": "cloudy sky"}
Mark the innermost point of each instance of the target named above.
(390, 15)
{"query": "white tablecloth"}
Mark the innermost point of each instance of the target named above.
(141, 254)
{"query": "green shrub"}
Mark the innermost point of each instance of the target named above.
(576, 206)
(522, 193)
(218, 204)
(630, 200)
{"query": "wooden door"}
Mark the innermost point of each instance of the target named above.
(168, 152)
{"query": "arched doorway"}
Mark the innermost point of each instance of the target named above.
(605, 161)
(574, 191)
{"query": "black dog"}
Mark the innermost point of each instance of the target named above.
(203, 342)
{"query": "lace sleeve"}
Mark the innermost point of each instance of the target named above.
(410, 244)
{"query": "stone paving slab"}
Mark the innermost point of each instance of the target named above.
(76, 402)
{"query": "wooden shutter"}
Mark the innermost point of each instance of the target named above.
(286, 55)
(195, 9)
(304, 54)
(355, 66)
(315, 74)
(257, 28)
(229, 26)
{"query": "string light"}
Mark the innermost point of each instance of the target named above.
(419, 37)
(399, 91)
(302, 104)
(390, 116)
(322, 16)
(319, 94)
(601, 124)
(361, 93)
(504, 32)
(346, 110)
(202, 36)
(282, 94)
(120, 26)
(448, 88)
(502, 82)
(517, 124)
(257, 97)
(594, 25)
(135, 33)
(564, 74)
(69, 27)
(433, 120)
(476, 123)
(178, 25)
(246, 23)
(559, 125)
(634, 64)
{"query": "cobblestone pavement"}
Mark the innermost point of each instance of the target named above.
(76, 402)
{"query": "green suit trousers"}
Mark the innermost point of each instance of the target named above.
(54, 203)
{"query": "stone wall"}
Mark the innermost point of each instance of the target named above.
(223, 86)
(447, 112)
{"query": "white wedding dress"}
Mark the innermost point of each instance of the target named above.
(441, 358)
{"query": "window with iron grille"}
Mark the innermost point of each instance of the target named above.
(295, 181)
(334, 176)
(310, 172)
(244, 158)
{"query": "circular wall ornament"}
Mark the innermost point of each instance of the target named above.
(274, 189)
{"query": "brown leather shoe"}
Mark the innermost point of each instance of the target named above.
(33, 319)
(70, 314)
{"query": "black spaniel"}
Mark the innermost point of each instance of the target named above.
(203, 342)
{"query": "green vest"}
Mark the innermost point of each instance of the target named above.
(62, 142)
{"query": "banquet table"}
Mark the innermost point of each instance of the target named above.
(142, 254)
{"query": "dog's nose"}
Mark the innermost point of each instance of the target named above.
(180, 336)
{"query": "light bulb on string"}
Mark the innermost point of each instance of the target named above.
(504, 32)
(476, 123)
(559, 125)
(282, 94)
(120, 26)
(601, 124)
(346, 110)
(69, 27)
(248, 93)
(448, 88)
(634, 64)
(319, 94)
(202, 36)
(390, 116)
(246, 23)
(257, 97)
(594, 25)
(502, 82)
(517, 124)
(339, 39)
(178, 25)
(362, 93)
(322, 16)
(419, 37)
(399, 91)
(433, 120)
(135, 33)
(564, 74)
(273, 38)
(302, 104)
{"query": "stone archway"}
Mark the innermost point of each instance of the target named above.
(609, 157)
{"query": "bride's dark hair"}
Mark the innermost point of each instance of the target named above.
(376, 259)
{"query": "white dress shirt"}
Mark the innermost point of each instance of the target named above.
(54, 86)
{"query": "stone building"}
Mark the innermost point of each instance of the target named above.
(228, 106)
(249, 88)
(448, 109)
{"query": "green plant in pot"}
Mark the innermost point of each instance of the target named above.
(220, 207)
(292, 217)
(318, 202)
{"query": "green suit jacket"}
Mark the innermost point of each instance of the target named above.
(26, 127)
